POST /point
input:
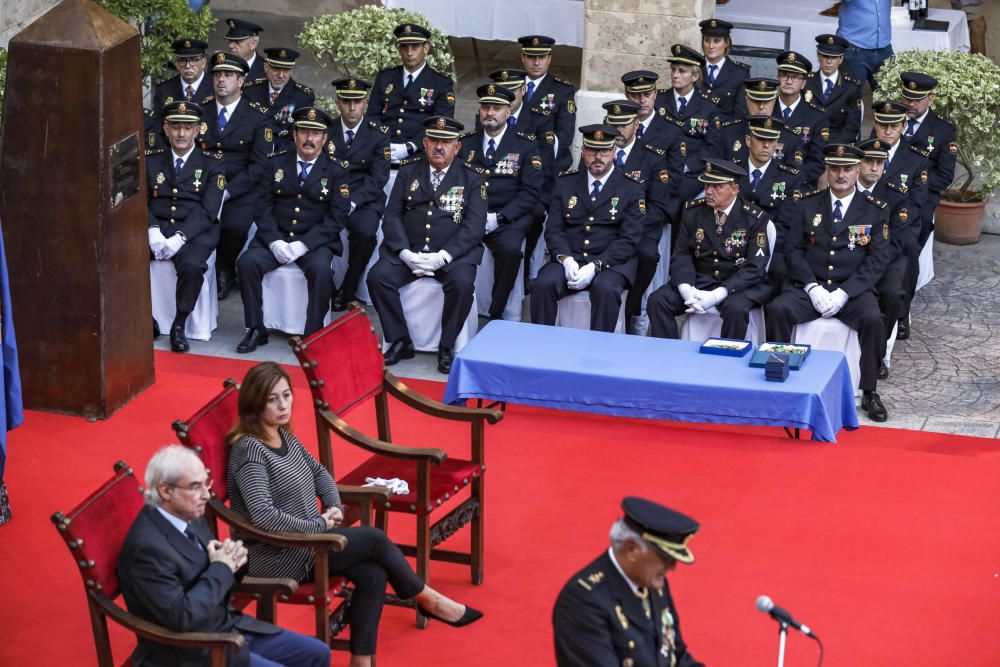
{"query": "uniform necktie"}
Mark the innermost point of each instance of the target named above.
(303, 172)
(620, 158)
(867, 193)
(274, 96)
(531, 90)
(189, 92)
(188, 533)
(755, 179)
(720, 222)
(491, 150)
(786, 113)
(827, 91)
(595, 190)
(436, 178)
(888, 161)
(223, 121)
(409, 80)
(682, 104)
(911, 128)
(647, 608)
(511, 121)
(348, 137)
(838, 213)
(178, 165)
(712, 69)
(639, 130)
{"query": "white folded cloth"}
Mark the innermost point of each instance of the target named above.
(395, 485)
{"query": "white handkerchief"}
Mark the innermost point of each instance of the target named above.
(395, 485)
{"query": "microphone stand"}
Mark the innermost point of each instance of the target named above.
(782, 638)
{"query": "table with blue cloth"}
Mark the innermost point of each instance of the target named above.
(651, 378)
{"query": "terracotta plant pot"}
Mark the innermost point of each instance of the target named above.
(959, 223)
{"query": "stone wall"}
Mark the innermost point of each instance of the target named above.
(16, 14)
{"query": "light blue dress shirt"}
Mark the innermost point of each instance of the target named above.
(866, 23)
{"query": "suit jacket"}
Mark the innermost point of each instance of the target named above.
(648, 164)
(293, 96)
(909, 174)
(514, 177)
(167, 579)
(558, 97)
(421, 219)
(367, 161)
(727, 91)
(936, 137)
(313, 213)
(256, 72)
(599, 622)
(901, 223)
(806, 131)
(172, 90)
(245, 143)
(608, 228)
(404, 111)
(835, 255)
(700, 109)
(189, 202)
(842, 109)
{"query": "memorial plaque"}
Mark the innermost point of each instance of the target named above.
(124, 163)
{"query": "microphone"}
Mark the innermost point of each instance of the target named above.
(766, 605)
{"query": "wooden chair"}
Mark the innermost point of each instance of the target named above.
(94, 531)
(205, 433)
(343, 363)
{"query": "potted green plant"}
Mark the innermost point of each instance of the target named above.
(968, 95)
(360, 42)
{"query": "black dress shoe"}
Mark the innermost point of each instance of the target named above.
(401, 349)
(225, 281)
(340, 303)
(178, 341)
(903, 329)
(253, 338)
(871, 403)
(446, 355)
(470, 616)
(156, 329)
(883, 371)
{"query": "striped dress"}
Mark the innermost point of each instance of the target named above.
(276, 490)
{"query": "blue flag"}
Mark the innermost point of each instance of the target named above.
(12, 411)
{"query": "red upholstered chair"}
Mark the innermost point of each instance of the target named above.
(343, 363)
(205, 433)
(94, 532)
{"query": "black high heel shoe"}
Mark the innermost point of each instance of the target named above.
(470, 616)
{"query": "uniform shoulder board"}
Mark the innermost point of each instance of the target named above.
(214, 155)
(441, 74)
(541, 112)
(670, 119)
(569, 172)
(879, 203)
(258, 107)
(813, 193)
(384, 129)
(635, 176)
(663, 91)
(752, 209)
(346, 164)
(155, 151)
(898, 187)
(694, 202)
(563, 82)
(919, 151)
(255, 82)
(412, 159)
(591, 581)
(784, 167)
(706, 96)
(527, 135)
(730, 122)
(946, 122)
(148, 113)
(738, 63)
(207, 100)
(277, 153)
(472, 167)
(850, 79)
(304, 88)
(658, 151)
(814, 105)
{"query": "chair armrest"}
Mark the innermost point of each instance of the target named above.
(363, 495)
(436, 408)
(359, 439)
(266, 587)
(159, 634)
(307, 540)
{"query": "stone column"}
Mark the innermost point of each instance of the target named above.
(624, 35)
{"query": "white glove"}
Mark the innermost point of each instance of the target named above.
(417, 262)
(281, 251)
(836, 301)
(820, 298)
(157, 241)
(438, 259)
(686, 291)
(699, 301)
(296, 249)
(398, 152)
(171, 246)
(584, 276)
(570, 268)
(716, 296)
(491, 223)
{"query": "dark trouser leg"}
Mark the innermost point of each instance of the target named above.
(891, 295)
(237, 216)
(649, 257)
(777, 272)
(735, 312)
(927, 221)
(190, 262)
(791, 307)
(663, 307)
(315, 264)
(384, 281)
(505, 244)
(459, 283)
(362, 227)
(253, 264)
(606, 300)
(862, 314)
(534, 232)
(550, 286)
(911, 250)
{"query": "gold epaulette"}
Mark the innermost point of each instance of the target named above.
(694, 202)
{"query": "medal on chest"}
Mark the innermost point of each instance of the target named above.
(858, 235)
(197, 179)
(509, 165)
(323, 189)
(778, 191)
(451, 202)
(614, 206)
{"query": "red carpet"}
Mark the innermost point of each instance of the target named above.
(885, 544)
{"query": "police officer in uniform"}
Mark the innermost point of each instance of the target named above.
(721, 253)
(190, 84)
(303, 206)
(239, 129)
(836, 90)
(836, 251)
(515, 175)
(278, 92)
(364, 145)
(243, 37)
(538, 122)
(405, 96)
(618, 611)
(803, 117)
(433, 226)
(595, 222)
(184, 191)
(654, 128)
(723, 77)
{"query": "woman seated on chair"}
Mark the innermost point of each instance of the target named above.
(274, 482)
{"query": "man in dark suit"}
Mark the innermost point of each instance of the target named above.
(184, 192)
(403, 97)
(595, 222)
(836, 251)
(190, 84)
(364, 146)
(173, 573)
(803, 118)
(721, 254)
(836, 90)
(723, 77)
(278, 93)
(433, 226)
(513, 167)
(304, 202)
(240, 131)
(243, 37)
(618, 610)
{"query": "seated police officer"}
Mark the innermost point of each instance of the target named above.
(364, 145)
(243, 38)
(721, 253)
(303, 206)
(184, 186)
(804, 119)
(618, 610)
(595, 222)
(836, 90)
(723, 77)
(278, 93)
(433, 226)
(513, 167)
(190, 84)
(836, 251)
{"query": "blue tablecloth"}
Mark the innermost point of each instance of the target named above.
(635, 376)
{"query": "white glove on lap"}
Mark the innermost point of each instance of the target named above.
(171, 246)
(491, 223)
(836, 302)
(438, 259)
(820, 298)
(296, 249)
(417, 261)
(570, 268)
(686, 291)
(157, 241)
(281, 251)
(698, 301)
(398, 152)
(584, 276)
(716, 296)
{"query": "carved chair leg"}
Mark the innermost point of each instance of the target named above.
(478, 526)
